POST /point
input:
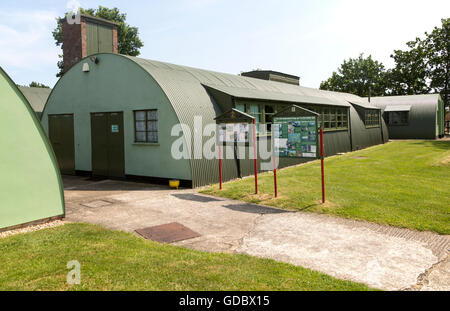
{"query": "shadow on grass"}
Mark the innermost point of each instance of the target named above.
(439, 144)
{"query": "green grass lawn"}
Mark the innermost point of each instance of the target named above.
(112, 260)
(404, 184)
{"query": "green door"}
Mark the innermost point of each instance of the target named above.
(105, 39)
(62, 138)
(99, 38)
(92, 38)
(108, 155)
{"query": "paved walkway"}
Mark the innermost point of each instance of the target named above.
(380, 256)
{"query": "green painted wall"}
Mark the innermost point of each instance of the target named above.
(363, 137)
(118, 84)
(30, 184)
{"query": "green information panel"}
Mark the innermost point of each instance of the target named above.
(296, 137)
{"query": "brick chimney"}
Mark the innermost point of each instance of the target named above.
(86, 36)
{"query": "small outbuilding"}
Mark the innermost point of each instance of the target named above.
(30, 185)
(413, 117)
(116, 116)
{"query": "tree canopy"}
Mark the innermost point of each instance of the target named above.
(40, 85)
(358, 76)
(422, 68)
(128, 39)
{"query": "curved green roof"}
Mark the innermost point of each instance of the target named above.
(169, 75)
(36, 96)
(30, 183)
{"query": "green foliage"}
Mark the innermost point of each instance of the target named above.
(437, 48)
(403, 184)
(128, 39)
(357, 76)
(422, 68)
(119, 261)
(410, 74)
(37, 84)
(425, 66)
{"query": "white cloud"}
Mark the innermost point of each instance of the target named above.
(26, 40)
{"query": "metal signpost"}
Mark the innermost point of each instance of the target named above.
(233, 128)
(296, 135)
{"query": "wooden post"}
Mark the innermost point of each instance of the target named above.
(256, 156)
(323, 170)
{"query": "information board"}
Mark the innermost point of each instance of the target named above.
(296, 137)
(233, 133)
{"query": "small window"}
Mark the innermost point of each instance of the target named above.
(146, 126)
(372, 118)
(398, 118)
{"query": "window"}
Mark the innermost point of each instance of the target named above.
(372, 118)
(241, 107)
(269, 111)
(146, 126)
(334, 119)
(398, 117)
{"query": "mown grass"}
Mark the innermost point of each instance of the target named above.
(403, 184)
(112, 260)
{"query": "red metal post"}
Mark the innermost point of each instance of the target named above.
(255, 155)
(220, 166)
(321, 160)
(275, 176)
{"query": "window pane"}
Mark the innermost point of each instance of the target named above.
(152, 115)
(241, 107)
(269, 109)
(152, 126)
(140, 126)
(254, 109)
(141, 137)
(140, 115)
(152, 137)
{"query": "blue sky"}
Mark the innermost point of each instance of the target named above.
(309, 38)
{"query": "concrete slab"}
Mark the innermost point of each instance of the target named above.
(380, 256)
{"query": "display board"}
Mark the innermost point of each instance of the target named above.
(233, 133)
(296, 137)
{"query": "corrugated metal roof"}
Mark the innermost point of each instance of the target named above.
(406, 100)
(274, 96)
(36, 96)
(398, 108)
(363, 104)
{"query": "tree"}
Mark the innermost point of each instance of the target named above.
(409, 76)
(128, 39)
(437, 47)
(357, 76)
(40, 85)
(425, 66)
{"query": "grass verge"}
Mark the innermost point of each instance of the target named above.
(112, 260)
(404, 184)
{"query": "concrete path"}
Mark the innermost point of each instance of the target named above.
(380, 256)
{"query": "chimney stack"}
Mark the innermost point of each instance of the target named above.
(273, 76)
(85, 36)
